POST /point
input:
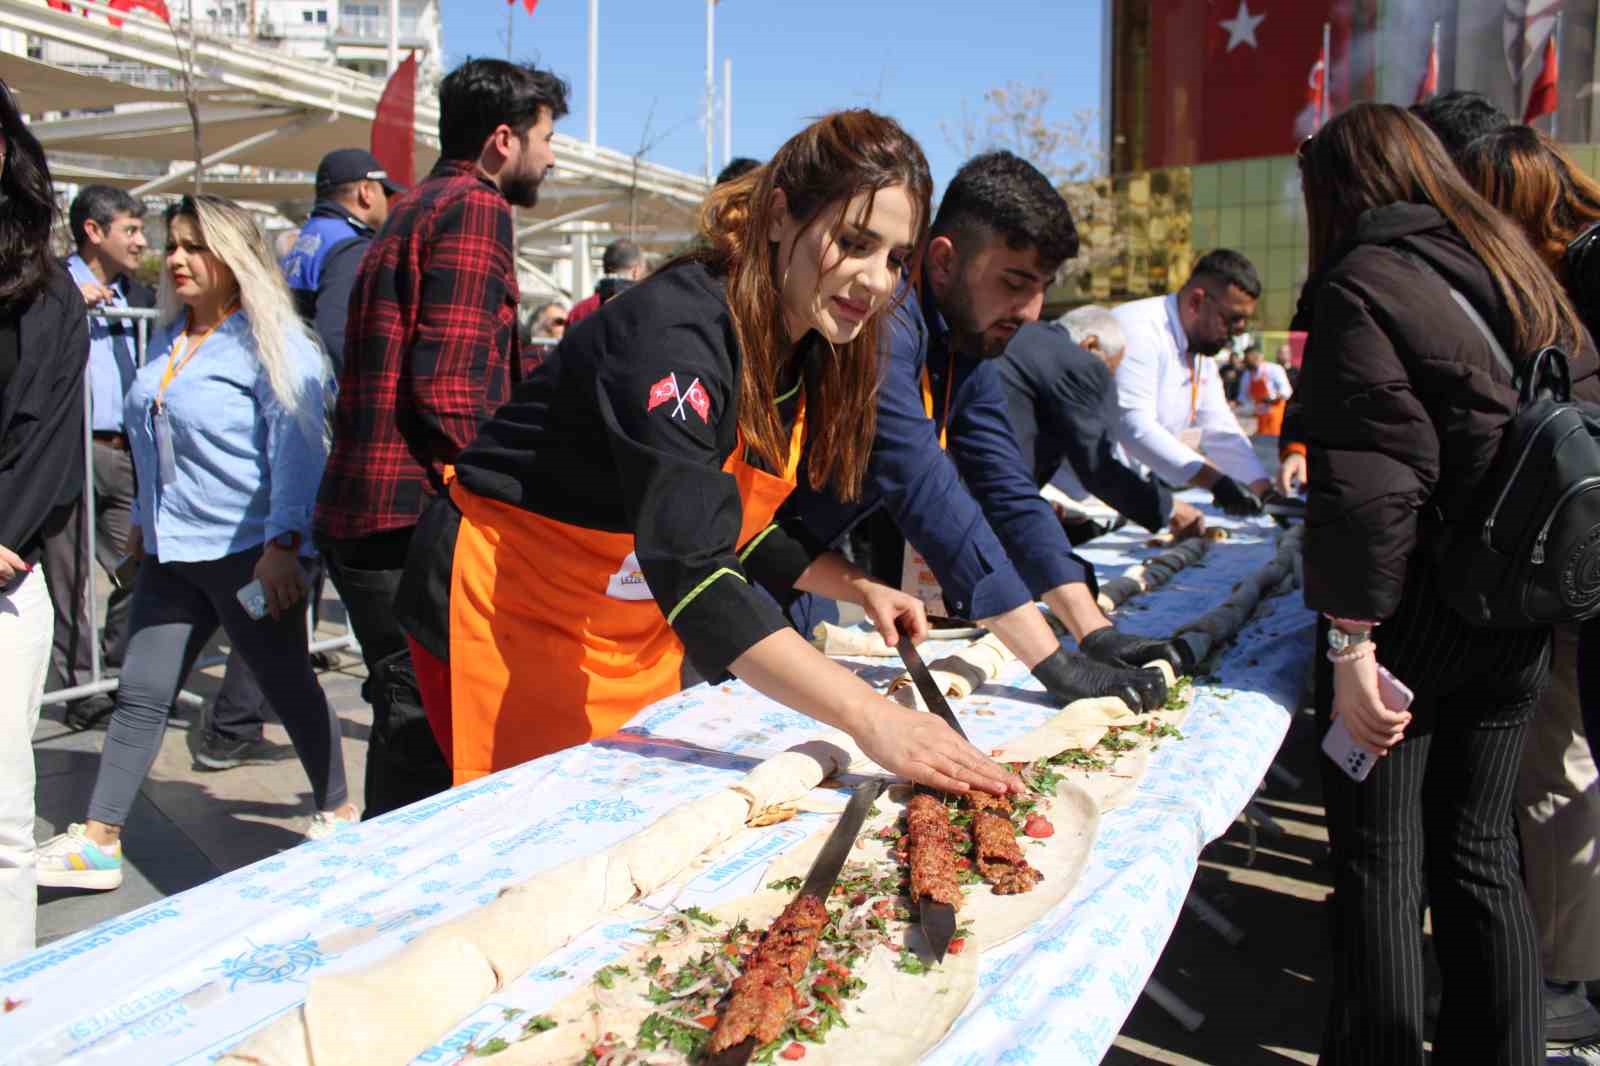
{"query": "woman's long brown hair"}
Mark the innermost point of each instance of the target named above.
(1526, 175)
(1378, 154)
(820, 170)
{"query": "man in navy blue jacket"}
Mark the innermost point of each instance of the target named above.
(945, 462)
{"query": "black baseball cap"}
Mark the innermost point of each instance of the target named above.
(353, 164)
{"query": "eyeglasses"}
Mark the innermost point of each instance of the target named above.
(1302, 155)
(555, 322)
(1235, 322)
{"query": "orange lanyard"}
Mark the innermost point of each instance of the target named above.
(176, 365)
(927, 400)
(1194, 388)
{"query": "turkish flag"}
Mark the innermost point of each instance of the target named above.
(663, 391)
(700, 400)
(1430, 76)
(529, 4)
(1224, 75)
(394, 125)
(1542, 101)
(1316, 92)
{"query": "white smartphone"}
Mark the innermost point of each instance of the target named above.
(253, 598)
(1357, 762)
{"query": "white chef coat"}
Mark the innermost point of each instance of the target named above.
(1277, 380)
(1168, 421)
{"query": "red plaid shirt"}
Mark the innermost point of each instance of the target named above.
(431, 349)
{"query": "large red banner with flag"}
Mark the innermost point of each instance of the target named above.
(1227, 78)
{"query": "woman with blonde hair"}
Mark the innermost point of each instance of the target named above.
(616, 516)
(227, 426)
(1405, 406)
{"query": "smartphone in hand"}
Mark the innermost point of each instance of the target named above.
(1357, 762)
(253, 598)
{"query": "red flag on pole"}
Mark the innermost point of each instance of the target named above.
(393, 129)
(158, 8)
(1316, 92)
(1542, 101)
(529, 4)
(1430, 75)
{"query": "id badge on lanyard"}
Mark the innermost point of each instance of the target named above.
(166, 460)
(1192, 435)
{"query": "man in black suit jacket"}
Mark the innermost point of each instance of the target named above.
(1063, 405)
(108, 226)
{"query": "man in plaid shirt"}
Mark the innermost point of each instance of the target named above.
(431, 349)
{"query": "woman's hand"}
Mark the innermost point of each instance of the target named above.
(1291, 474)
(920, 746)
(134, 547)
(1355, 699)
(11, 565)
(281, 579)
(894, 612)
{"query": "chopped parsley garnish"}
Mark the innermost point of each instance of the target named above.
(699, 915)
(537, 1024)
(787, 884)
(607, 976)
(909, 963)
(659, 1031)
(653, 967)
(490, 1047)
(511, 1014)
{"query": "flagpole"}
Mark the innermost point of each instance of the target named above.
(394, 36)
(711, 82)
(727, 110)
(1439, 58)
(1555, 112)
(511, 25)
(594, 70)
(1327, 72)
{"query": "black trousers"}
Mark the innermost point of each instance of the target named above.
(1589, 682)
(1433, 825)
(404, 763)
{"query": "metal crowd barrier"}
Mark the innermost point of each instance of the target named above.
(142, 318)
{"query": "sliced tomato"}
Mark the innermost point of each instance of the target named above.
(956, 945)
(795, 1050)
(858, 899)
(1038, 825)
(708, 1020)
(884, 908)
(963, 863)
(731, 950)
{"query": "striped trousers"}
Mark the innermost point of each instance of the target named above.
(1432, 826)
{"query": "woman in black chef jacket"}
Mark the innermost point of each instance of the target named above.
(613, 516)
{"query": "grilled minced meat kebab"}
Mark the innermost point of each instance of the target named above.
(932, 851)
(765, 993)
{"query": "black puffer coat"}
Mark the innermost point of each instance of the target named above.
(1404, 403)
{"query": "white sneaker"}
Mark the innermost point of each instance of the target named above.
(72, 860)
(325, 823)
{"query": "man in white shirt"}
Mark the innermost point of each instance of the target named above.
(1174, 417)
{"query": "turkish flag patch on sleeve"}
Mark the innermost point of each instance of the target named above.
(700, 400)
(663, 391)
(695, 398)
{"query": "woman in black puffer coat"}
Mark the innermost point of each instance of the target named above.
(1404, 408)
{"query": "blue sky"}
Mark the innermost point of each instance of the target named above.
(793, 59)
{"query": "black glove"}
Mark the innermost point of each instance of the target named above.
(1124, 650)
(1234, 498)
(1072, 676)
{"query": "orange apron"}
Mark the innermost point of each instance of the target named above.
(1269, 413)
(554, 637)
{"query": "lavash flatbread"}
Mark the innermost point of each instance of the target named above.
(347, 1017)
(895, 1019)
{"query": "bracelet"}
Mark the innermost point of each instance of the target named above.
(1354, 652)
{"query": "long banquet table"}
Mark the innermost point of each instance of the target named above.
(185, 978)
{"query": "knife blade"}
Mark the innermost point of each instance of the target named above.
(819, 882)
(938, 920)
(927, 687)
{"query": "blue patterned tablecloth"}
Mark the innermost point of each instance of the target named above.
(183, 979)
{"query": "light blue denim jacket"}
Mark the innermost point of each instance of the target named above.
(246, 468)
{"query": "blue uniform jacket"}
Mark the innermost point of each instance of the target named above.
(974, 513)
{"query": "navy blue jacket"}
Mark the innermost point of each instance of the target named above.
(321, 272)
(974, 513)
(1063, 404)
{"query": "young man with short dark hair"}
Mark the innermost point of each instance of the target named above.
(108, 232)
(431, 349)
(945, 463)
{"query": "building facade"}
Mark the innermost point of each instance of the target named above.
(1208, 100)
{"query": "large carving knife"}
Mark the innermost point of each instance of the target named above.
(819, 882)
(938, 920)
